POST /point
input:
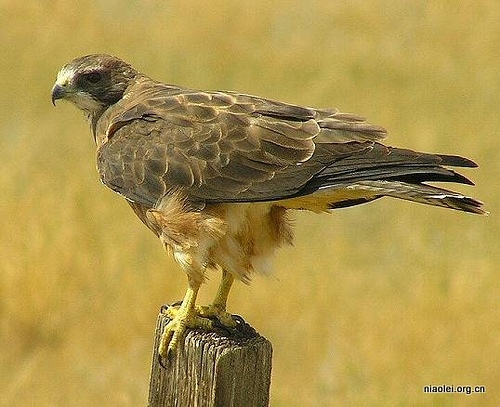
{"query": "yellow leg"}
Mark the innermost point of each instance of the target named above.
(225, 285)
(218, 307)
(182, 318)
(188, 315)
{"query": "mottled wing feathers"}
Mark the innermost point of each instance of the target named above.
(217, 147)
(228, 147)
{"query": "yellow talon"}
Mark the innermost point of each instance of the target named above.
(187, 315)
(181, 319)
(214, 312)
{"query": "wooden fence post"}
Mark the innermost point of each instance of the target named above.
(213, 369)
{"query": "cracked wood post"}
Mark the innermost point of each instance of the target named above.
(213, 369)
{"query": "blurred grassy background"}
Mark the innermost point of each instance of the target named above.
(371, 304)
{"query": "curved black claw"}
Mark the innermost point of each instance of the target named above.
(242, 330)
(164, 308)
(165, 362)
(177, 321)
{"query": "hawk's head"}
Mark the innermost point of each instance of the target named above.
(93, 82)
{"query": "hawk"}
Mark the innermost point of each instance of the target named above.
(214, 174)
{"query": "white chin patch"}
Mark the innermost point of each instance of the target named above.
(84, 101)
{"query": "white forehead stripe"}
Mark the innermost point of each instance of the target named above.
(80, 98)
(65, 75)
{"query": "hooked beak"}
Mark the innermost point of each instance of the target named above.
(58, 92)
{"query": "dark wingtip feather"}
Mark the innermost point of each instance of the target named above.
(457, 161)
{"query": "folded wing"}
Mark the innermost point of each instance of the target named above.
(222, 147)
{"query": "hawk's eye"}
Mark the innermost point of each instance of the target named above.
(93, 77)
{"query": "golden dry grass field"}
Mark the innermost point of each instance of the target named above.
(371, 304)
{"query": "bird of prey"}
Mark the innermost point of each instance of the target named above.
(214, 174)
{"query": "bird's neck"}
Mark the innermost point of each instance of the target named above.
(93, 118)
